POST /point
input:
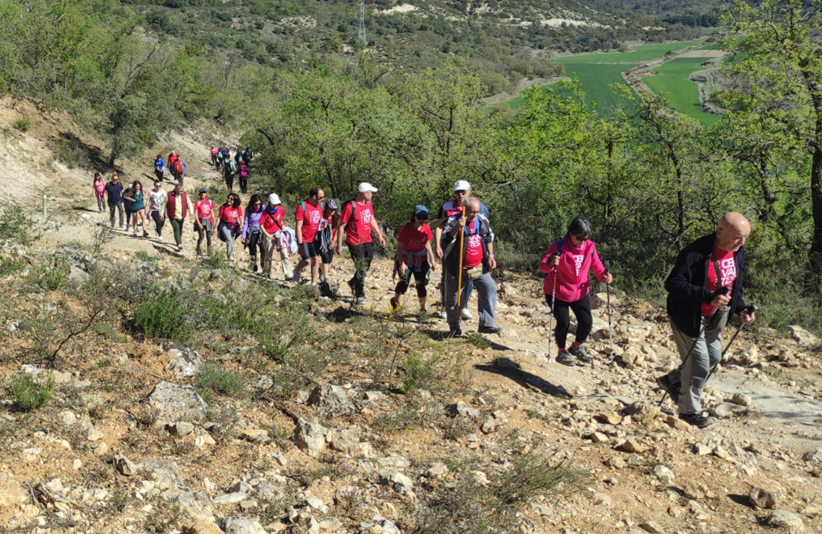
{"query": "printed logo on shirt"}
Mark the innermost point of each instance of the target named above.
(366, 216)
(727, 268)
(315, 217)
(578, 259)
(474, 241)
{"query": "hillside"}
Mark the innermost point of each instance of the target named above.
(255, 406)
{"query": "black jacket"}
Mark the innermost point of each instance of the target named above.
(686, 285)
(449, 244)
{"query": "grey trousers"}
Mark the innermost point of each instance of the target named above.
(486, 299)
(707, 351)
(228, 237)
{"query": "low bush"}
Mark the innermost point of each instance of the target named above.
(220, 381)
(164, 313)
(28, 393)
(23, 124)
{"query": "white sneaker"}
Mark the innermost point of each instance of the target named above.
(159, 237)
(231, 257)
(442, 315)
(466, 315)
(295, 276)
(179, 248)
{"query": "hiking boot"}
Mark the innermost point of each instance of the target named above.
(666, 384)
(565, 358)
(353, 285)
(581, 354)
(295, 276)
(490, 329)
(395, 304)
(455, 332)
(696, 419)
(360, 301)
(466, 315)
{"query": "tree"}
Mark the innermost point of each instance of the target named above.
(774, 50)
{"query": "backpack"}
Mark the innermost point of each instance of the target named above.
(178, 166)
(183, 168)
(243, 171)
(229, 167)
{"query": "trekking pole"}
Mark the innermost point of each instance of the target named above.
(722, 291)
(553, 307)
(459, 273)
(750, 309)
(610, 330)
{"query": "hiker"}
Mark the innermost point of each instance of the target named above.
(172, 159)
(114, 198)
(567, 262)
(247, 157)
(127, 205)
(243, 177)
(251, 235)
(704, 290)
(136, 205)
(214, 152)
(159, 167)
(308, 215)
(271, 225)
(231, 222)
(220, 160)
(204, 220)
(357, 222)
(238, 156)
(324, 243)
(462, 190)
(156, 207)
(226, 152)
(477, 259)
(178, 169)
(229, 170)
(99, 185)
(178, 206)
(415, 252)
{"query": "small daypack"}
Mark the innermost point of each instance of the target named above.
(183, 167)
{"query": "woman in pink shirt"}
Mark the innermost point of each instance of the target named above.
(568, 261)
(99, 191)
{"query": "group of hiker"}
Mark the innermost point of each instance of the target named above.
(232, 167)
(704, 287)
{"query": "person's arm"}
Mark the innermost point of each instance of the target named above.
(244, 231)
(344, 218)
(492, 261)
(438, 237)
(376, 229)
(163, 206)
(599, 268)
(299, 216)
(547, 265)
(431, 262)
(679, 281)
(197, 222)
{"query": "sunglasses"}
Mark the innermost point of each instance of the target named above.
(422, 216)
(582, 238)
(460, 192)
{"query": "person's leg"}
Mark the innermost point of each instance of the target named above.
(228, 238)
(133, 218)
(453, 312)
(693, 370)
(421, 278)
(268, 255)
(209, 234)
(143, 220)
(200, 237)
(315, 270)
(357, 257)
(368, 255)
(158, 223)
(305, 257)
(112, 209)
(177, 226)
(122, 210)
(582, 311)
(563, 322)
(285, 261)
(486, 299)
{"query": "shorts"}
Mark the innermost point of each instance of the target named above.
(307, 250)
(327, 256)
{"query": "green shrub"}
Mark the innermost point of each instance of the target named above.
(220, 381)
(53, 277)
(23, 124)
(16, 226)
(29, 394)
(163, 313)
(477, 339)
(420, 373)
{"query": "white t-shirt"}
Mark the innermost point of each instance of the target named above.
(156, 199)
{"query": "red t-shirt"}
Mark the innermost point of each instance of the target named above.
(727, 270)
(414, 240)
(272, 222)
(473, 251)
(230, 215)
(311, 220)
(358, 230)
(203, 209)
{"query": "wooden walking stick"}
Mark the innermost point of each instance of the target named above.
(462, 253)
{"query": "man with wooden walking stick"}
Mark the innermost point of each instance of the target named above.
(468, 245)
(704, 289)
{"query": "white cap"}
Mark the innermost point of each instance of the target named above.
(462, 185)
(365, 187)
(273, 199)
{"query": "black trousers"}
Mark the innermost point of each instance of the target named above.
(582, 311)
(420, 273)
(158, 222)
(255, 243)
(243, 184)
(362, 256)
(229, 181)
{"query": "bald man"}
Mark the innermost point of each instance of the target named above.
(704, 289)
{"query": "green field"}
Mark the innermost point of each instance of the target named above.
(683, 96)
(597, 72)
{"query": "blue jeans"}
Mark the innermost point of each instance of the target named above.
(486, 299)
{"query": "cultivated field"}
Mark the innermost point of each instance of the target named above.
(671, 80)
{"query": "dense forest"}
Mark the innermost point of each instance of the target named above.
(649, 179)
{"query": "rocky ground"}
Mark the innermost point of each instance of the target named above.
(330, 418)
